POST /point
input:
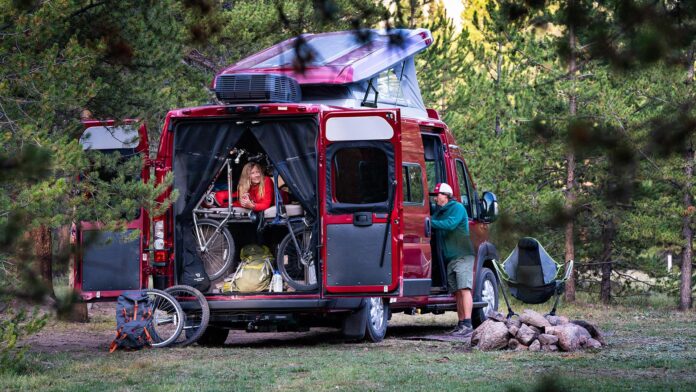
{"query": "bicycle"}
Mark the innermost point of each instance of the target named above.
(295, 256)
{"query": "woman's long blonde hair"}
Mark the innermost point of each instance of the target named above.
(245, 179)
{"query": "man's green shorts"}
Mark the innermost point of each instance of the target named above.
(460, 274)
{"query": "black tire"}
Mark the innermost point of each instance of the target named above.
(219, 255)
(214, 337)
(377, 319)
(294, 267)
(487, 291)
(197, 312)
(167, 318)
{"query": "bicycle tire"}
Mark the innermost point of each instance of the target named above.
(167, 318)
(290, 266)
(197, 315)
(218, 257)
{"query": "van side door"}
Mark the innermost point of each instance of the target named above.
(110, 262)
(361, 195)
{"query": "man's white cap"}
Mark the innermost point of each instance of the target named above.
(443, 187)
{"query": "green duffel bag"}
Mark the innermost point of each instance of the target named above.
(255, 269)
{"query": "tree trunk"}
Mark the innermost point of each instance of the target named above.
(570, 174)
(78, 311)
(42, 251)
(608, 235)
(685, 299)
(498, 129)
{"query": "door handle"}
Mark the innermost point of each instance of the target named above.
(428, 227)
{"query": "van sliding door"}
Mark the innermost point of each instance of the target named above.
(361, 195)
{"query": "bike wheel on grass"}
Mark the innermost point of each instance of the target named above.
(219, 253)
(197, 312)
(167, 318)
(296, 262)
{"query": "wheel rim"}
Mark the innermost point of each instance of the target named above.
(488, 296)
(376, 313)
(165, 320)
(217, 252)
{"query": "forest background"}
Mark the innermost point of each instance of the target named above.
(579, 115)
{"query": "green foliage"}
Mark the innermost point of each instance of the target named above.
(16, 324)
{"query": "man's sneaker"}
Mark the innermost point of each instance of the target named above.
(463, 331)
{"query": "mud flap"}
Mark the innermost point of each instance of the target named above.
(354, 323)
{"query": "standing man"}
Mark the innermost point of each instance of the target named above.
(451, 220)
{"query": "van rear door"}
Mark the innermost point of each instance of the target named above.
(361, 195)
(110, 262)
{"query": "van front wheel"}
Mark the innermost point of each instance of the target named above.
(377, 319)
(487, 291)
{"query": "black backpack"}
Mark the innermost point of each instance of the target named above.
(194, 274)
(133, 321)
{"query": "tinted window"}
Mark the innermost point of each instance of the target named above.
(413, 183)
(465, 197)
(434, 166)
(360, 175)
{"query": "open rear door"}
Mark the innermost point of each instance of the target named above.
(361, 192)
(110, 262)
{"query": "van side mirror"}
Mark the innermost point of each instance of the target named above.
(489, 207)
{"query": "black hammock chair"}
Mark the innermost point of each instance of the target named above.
(532, 275)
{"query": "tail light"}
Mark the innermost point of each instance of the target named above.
(160, 256)
(159, 235)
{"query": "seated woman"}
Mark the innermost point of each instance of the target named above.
(255, 190)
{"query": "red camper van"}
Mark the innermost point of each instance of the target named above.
(349, 154)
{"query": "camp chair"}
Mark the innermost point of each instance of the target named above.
(532, 275)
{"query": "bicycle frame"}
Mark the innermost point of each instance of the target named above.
(197, 209)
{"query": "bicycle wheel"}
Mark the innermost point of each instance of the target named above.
(197, 312)
(167, 318)
(218, 256)
(297, 266)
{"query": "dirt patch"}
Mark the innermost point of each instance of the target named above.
(95, 336)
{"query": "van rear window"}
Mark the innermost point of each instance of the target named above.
(361, 175)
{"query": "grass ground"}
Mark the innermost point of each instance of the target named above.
(650, 348)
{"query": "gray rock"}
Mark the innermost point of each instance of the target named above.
(513, 330)
(526, 335)
(592, 343)
(553, 320)
(536, 329)
(549, 347)
(535, 346)
(513, 321)
(570, 336)
(513, 344)
(547, 340)
(563, 320)
(491, 335)
(522, 347)
(594, 331)
(531, 317)
(497, 316)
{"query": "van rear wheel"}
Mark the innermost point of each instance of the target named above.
(214, 337)
(377, 319)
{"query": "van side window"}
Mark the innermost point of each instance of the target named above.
(464, 188)
(360, 175)
(434, 160)
(413, 183)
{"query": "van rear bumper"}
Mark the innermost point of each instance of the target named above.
(285, 305)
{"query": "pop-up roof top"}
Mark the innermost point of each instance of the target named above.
(339, 57)
(348, 68)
